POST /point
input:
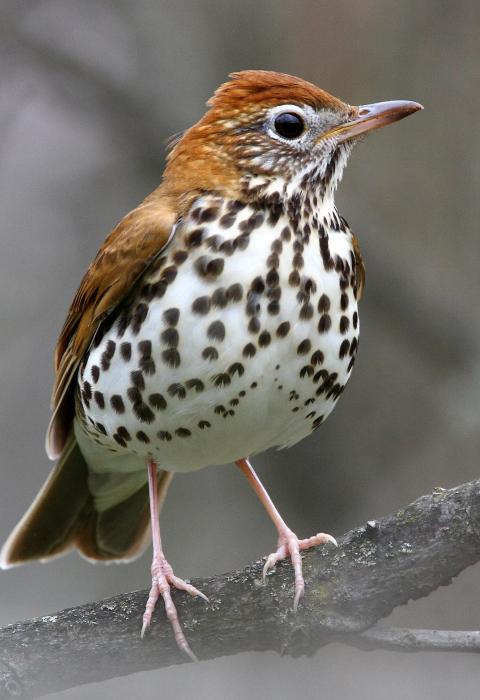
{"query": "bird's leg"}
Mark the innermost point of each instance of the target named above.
(162, 573)
(288, 542)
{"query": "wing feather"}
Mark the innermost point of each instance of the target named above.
(123, 258)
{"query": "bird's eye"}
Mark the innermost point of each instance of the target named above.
(289, 125)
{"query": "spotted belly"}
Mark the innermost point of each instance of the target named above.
(238, 341)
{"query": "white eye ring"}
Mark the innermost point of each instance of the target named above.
(293, 111)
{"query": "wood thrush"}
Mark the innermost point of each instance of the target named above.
(218, 319)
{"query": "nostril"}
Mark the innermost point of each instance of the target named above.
(363, 112)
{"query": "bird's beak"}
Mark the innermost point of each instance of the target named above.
(374, 116)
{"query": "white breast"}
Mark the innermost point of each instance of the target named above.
(217, 385)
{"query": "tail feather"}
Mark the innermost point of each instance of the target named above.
(64, 515)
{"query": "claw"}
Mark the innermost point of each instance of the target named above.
(162, 579)
(290, 545)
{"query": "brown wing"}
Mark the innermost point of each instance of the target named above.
(123, 257)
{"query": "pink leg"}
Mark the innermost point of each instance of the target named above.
(162, 573)
(288, 542)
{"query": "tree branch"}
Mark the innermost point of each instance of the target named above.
(400, 639)
(377, 567)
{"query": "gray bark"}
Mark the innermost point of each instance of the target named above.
(377, 567)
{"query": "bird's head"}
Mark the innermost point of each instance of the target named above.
(269, 131)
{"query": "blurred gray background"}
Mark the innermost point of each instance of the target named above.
(90, 89)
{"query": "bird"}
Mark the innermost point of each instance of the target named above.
(218, 319)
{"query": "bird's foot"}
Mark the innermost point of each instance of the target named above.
(290, 546)
(163, 579)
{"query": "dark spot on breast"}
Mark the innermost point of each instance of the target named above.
(171, 316)
(143, 412)
(355, 320)
(122, 323)
(344, 301)
(158, 289)
(249, 350)
(210, 353)
(317, 358)
(124, 434)
(227, 220)
(344, 347)
(99, 399)
(126, 351)
(258, 285)
(139, 316)
(171, 357)
(209, 214)
(180, 256)
(209, 268)
(143, 437)
(344, 324)
(237, 368)
(213, 243)
(235, 292)
(324, 324)
(87, 389)
(286, 234)
(136, 377)
(120, 441)
(170, 337)
(306, 312)
(298, 261)
(144, 348)
(177, 390)
(95, 372)
(183, 432)
(272, 278)
(242, 241)
(164, 435)
(294, 278)
(134, 394)
(304, 347)
(221, 379)
(274, 293)
(273, 308)
(147, 365)
(273, 261)
(298, 246)
(203, 424)
(277, 246)
(252, 306)
(323, 303)
(219, 298)
(196, 384)
(157, 401)
(117, 404)
(264, 339)
(283, 329)
(201, 305)
(107, 355)
(195, 238)
(306, 370)
(216, 331)
(254, 325)
(227, 247)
